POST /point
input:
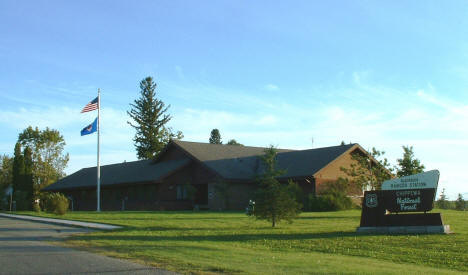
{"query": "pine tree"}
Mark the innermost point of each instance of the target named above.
(408, 165)
(215, 137)
(150, 117)
(274, 201)
(443, 203)
(18, 167)
(27, 184)
(460, 203)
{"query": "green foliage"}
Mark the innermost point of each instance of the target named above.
(368, 171)
(150, 118)
(215, 137)
(48, 159)
(18, 167)
(6, 173)
(55, 203)
(332, 198)
(296, 192)
(233, 142)
(22, 199)
(274, 201)
(408, 165)
(442, 202)
(460, 203)
(36, 207)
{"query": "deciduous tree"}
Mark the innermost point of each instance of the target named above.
(233, 142)
(368, 170)
(48, 159)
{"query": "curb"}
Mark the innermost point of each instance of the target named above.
(90, 225)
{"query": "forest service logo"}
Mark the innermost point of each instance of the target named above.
(371, 200)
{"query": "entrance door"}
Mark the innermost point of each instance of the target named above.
(201, 196)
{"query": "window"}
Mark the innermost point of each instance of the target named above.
(181, 192)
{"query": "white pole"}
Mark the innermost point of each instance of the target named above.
(98, 193)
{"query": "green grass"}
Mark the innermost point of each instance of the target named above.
(212, 242)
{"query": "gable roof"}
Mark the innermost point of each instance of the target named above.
(230, 162)
(119, 173)
(235, 162)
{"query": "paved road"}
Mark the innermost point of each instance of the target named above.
(24, 250)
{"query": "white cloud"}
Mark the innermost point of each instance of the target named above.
(271, 87)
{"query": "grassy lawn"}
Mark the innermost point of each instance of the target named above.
(212, 242)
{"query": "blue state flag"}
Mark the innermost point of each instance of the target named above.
(91, 128)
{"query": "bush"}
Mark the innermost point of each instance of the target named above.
(329, 202)
(332, 198)
(55, 203)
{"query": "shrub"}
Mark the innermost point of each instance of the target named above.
(55, 203)
(332, 198)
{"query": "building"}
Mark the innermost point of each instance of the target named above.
(207, 176)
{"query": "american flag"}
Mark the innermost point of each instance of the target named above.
(91, 106)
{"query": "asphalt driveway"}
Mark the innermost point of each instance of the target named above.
(24, 250)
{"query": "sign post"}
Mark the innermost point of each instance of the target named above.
(384, 211)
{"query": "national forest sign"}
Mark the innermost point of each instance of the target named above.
(415, 193)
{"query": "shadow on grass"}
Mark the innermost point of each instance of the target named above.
(218, 238)
(329, 218)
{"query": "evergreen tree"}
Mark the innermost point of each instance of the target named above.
(150, 117)
(460, 203)
(27, 184)
(18, 168)
(215, 137)
(443, 203)
(408, 165)
(274, 201)
(6, 172)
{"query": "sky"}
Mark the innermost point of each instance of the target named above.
(293, 74)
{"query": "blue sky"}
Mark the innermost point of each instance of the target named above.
(382, 74)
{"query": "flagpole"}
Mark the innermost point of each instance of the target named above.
(98, 193)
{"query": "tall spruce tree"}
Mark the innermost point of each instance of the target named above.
(408, 165)
(150, 117)
(215, 137)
